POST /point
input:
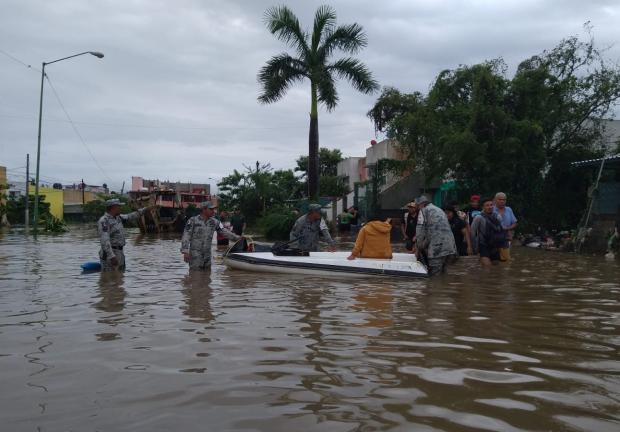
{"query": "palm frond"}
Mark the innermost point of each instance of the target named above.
(280, 72)
(324, 22)
(326, 88)
(356, 73)
(348, 38)
(283, 23)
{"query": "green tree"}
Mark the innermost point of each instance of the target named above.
(328, 162)
(258, 189)
(517, 135)
(16, 209)
(93, 210)
(3, 206)
(312, 61)
(330, 184)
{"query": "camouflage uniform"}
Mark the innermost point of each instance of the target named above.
(197, 240)
(307, 233)
(435, 238)
(112, 235)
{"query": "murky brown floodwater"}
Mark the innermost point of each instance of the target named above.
(529, 346)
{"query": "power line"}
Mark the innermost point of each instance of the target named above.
(206, 128)
(18, 60)
(147, 126)
(75, 128)
(46, 179)
(64, 110)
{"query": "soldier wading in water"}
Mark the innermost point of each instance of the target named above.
(434, 238)
(309, 228)
(112, 235)
(198, 237)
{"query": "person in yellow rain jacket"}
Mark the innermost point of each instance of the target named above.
(373, 240)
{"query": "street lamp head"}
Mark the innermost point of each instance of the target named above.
(96, 54)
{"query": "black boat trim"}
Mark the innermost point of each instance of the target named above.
(336, 268)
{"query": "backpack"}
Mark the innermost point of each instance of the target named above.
(498, 235)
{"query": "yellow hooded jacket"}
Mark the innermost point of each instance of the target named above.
(373, 241)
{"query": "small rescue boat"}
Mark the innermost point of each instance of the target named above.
(329, 264)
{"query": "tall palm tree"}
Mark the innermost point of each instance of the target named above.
(312, 60)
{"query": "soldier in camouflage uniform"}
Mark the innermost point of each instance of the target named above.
(198, 237)
(112, 235)
(308, 228)
(434, 237)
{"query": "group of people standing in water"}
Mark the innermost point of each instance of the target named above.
(484, 228)
(437, 236)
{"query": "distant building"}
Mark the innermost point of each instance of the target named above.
(138, 184)
(103, 189)
(373, 188)
(16, 189)
(54, 197)
(604, 204)
(352, 170)
(171, 195)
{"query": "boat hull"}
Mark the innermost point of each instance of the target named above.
(327, 264)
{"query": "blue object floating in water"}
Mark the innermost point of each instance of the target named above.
(92, 266)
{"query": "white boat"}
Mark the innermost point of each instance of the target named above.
(331, 264)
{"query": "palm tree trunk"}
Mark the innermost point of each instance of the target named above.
(313, 148)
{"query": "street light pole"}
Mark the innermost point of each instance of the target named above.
(36, 186)
(35, 225)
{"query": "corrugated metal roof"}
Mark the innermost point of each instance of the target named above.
(591, 162)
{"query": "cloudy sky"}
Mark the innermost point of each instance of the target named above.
(175, 96)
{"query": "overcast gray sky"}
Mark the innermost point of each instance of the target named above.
(175, 95)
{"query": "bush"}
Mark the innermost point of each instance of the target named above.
(93, 210)
(277, 223)
(54, 225)
(16, 209)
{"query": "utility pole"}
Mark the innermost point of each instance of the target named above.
(123, 188)
(83, 200)
(27, 210)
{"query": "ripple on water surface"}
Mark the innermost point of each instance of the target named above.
(528, 346)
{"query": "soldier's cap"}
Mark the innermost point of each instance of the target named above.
(314, 207)
(422, 199)
(112, 202)
(207, 204)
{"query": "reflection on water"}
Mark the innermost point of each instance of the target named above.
(198, 294)
(532, 345)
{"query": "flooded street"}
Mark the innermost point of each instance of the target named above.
(533, 345)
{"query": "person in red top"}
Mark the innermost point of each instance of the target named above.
(474, 208)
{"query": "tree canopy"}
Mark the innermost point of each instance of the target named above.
(258, 189)
(518, 135)
(328, 162)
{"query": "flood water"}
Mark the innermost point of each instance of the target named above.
(533, 345)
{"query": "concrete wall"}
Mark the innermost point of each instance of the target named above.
(54, 197)
(349, 168)
(385, 149)
(136, 184)
(74, 196)
(402, 192)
